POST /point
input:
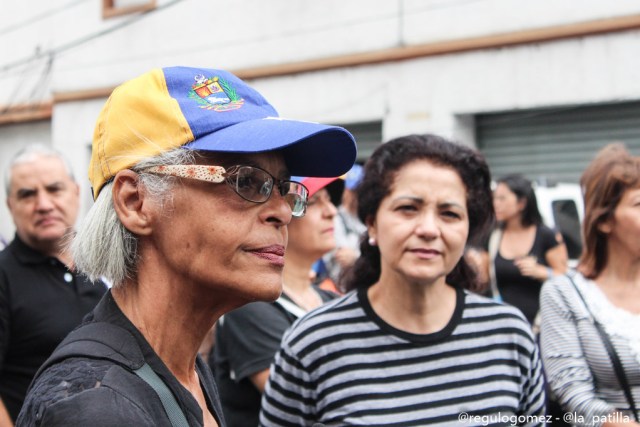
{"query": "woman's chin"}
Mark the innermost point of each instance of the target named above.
(267, 291)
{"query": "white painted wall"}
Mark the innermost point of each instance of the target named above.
(437, 94)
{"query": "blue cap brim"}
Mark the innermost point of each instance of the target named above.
(310, 149)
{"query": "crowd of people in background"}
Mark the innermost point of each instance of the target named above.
(590, 335)
(425, 290)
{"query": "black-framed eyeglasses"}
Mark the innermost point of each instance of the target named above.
(249, 182)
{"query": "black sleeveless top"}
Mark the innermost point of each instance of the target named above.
(518, 290)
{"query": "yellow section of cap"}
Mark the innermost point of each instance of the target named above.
(139, 120)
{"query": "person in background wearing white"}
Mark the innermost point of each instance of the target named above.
(606, 288)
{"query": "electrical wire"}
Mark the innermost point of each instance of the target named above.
(39, 17)
(261, 38)
(39, 86)
(78, 42)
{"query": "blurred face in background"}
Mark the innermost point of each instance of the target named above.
(43, 200)
(312, 235)
(506, 203)
(623, 229)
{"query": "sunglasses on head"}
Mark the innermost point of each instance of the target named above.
(249, 182)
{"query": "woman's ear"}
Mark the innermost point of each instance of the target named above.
(522, 204)
(605, 226)
(131, 203)
(371, 227)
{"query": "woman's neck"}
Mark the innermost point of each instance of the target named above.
(297, 277)
(622, 270)
(414, 307)
(176, 342)
(515, 225)
(297, 273)
(296, 284)
(620, 281)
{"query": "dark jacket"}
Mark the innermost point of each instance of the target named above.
(90, 380)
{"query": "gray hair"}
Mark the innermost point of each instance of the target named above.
(30, 153)
(103, 248)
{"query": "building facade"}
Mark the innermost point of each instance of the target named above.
(537, 86)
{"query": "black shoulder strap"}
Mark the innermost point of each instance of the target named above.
(615, 359)
(100, 340)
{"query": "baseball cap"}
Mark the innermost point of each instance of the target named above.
(314, 184)
(353, 177)
(209, 110)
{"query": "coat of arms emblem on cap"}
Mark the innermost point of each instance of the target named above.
(214, 93)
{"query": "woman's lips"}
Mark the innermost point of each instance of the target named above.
(328, 230)
(274, 254)
(426, 253)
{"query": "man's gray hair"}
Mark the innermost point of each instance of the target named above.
(30, 153)
(103, 248)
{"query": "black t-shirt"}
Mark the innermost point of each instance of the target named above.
(518, 290)
(41, 301)
(247, 340)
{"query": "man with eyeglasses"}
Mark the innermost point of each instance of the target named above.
(191, 174)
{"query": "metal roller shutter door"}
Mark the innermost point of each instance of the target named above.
(368, 136)
(555, 145)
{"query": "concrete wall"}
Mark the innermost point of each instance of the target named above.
(439, 93)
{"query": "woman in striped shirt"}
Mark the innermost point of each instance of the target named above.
(579, 369)
(410, 345)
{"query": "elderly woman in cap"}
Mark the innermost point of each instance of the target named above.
(191, 174)
(249, 337)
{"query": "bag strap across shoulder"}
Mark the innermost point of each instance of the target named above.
(494, 245)
(290, 307)
(613, 354)
(169, 402)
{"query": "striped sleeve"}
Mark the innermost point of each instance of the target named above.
(568, 373)
(534, 397)
(289, 398)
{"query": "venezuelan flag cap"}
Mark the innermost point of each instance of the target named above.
(209, 110)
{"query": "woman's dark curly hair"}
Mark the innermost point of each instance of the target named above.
(379, 176)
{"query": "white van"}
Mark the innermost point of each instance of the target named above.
(562, 208)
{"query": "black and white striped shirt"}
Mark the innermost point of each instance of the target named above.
(576, 362)
(343, 365)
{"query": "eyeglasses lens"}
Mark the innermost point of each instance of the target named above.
(256, 185)
(296, 196)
